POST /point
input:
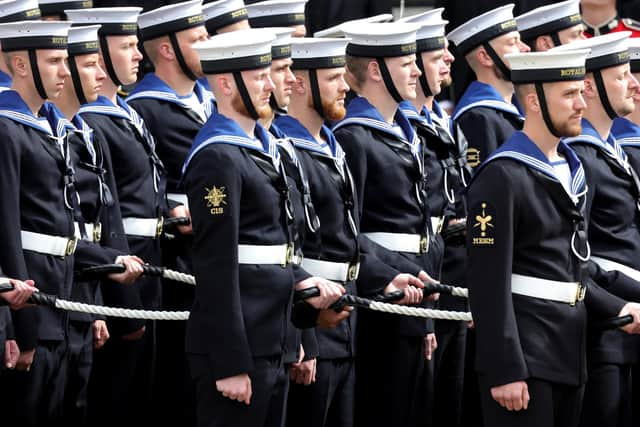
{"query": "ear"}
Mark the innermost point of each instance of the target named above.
(224, 85)
(20, 65)
(544, 43)
(533, 103)
(590, 89)
(166, 51)
(373, 71)
(483, 57)
(300, 86)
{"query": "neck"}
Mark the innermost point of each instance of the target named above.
(383, 102)
(109, 90)
(598, 15)
(175, 79)
(504, 87)
(599, 119)
(422, 100)
(307, 116)
(537, 131)
(29, 95)
(68, 104)
(266, 123)
(247, 124)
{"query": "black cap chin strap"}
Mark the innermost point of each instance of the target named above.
(423, 77)
(602, 93)
(388, 81)
(104, 48)
(183, 64)
(77, 82)
(545, 110)
(555, 37)
(246, 99)
(316, 97)
(506, 72)
(37, 80)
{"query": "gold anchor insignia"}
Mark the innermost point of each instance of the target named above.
(215, 198)
(483, 221)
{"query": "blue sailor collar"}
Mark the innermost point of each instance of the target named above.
(121, 109)
(438, 111)
(275, 130)
(13, 107)
(151, 86)
(410, 112)
(591, 136)
(5, 81)
(483, 95)
(361, 112)
(302, 139)
(520, 148)
(626, 132)
(60, 126)
(222, 130)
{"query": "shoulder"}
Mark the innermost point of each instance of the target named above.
(631, 24)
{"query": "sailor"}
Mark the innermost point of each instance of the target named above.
(626, 130)
(9, 350)
(129, 150)
(38, 234)
(333, 245)
(552, 25)
(386, 158)
(174, 107)
(11, 11)
(53, 10)
(529, 292)
(444, 185)
(278, 13)
(601, 17)
(614, 216)
(224, 16)
(242, 256)
(484, 117)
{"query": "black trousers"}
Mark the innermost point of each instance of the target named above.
(327, 402)
(607, 396)
(389, 380)
(36, 397)
(79, 362)
(449, 373)
(269, 386)
(551, 405)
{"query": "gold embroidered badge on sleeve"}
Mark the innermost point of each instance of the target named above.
(215, 199)
(473, 157)
(483, 223)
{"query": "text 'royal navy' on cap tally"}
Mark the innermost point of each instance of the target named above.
(236, 51)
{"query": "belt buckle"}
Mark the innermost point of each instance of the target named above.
(71, 246)
(288, 255)
(97, 232)
(440, 224)
(159, 226)
(424, 244)
(580, 294)
(353, 271)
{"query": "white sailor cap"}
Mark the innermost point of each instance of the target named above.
(83, 40)
(549, 19)
(543, 67)
(57, 7)
(222, 13)
(607, 51)
(430, 35)
(634, 54)
(19, 10)
(114, 21)
(483, 28)
(382, 40)
(281, 45)
(26, 35)
(170, 19)
(314, 53)
(276, 13)
(335, 31)
(236, 51)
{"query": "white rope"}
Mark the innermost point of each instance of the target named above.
(121, 312)
(420, 312)
(459, 292)
(179, 277)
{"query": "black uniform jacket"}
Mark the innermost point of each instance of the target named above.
(337, 239)
(129, 150)
(612, 206)
(483, 121)
(174, 125)
(627, 134)
(389, 179)
(240, 311)
(32, 190)
(521, 337)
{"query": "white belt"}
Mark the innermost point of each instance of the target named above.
(436, 224)
(338, 271)
(265, 254)
(142, 227)
(401, 242)
(180, 198)
(609, 265)
(567, 292)
(46, 244)
(94, 232)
